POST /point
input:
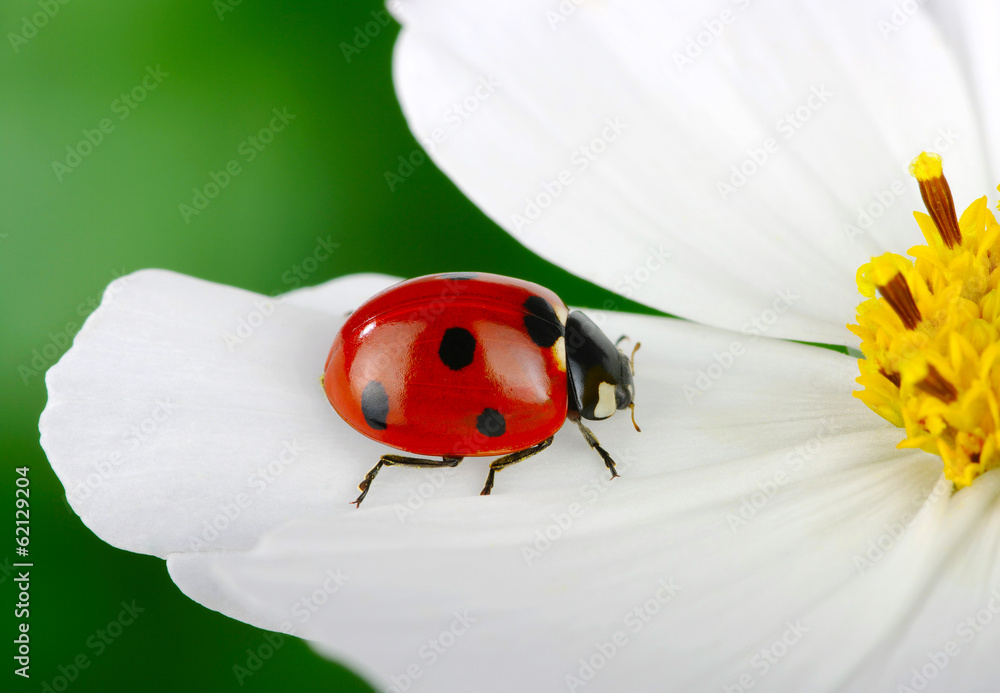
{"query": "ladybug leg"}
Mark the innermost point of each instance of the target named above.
(596, 444)
(390, 460)
(507, 460)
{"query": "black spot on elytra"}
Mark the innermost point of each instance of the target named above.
(541, 322)
(458, 276)
(457, 348)
(375, 405)
(491, 423)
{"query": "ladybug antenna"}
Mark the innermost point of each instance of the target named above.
(631, 363)
(631, 406)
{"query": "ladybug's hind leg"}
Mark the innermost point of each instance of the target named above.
(596, 444)
(507, 460)
(389, 460)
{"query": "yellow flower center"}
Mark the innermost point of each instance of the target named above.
(930, 332)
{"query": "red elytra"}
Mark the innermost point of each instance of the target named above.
(469, 365)
(445, 351)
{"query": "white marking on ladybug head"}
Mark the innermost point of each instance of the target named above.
(562, 312)
(606, 405)
(559, 353)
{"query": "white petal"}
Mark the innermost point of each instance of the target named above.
(773, 433)
(504, 97)
(189, 415)
(340, 295)
(941, 571)
(962, 23)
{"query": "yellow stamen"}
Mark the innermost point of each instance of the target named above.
(935, 384)
(897, 295)
(927, 166)
(930, 332)
(936, 193)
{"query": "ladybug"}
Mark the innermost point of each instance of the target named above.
(472, 365)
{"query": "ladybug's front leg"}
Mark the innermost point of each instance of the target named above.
(389, 460)
(594, 443)
(507, 460)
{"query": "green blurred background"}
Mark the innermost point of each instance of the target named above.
(67, 67)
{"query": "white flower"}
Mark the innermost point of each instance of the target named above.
(766, 534)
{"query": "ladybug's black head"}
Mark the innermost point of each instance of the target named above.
(599, 374)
